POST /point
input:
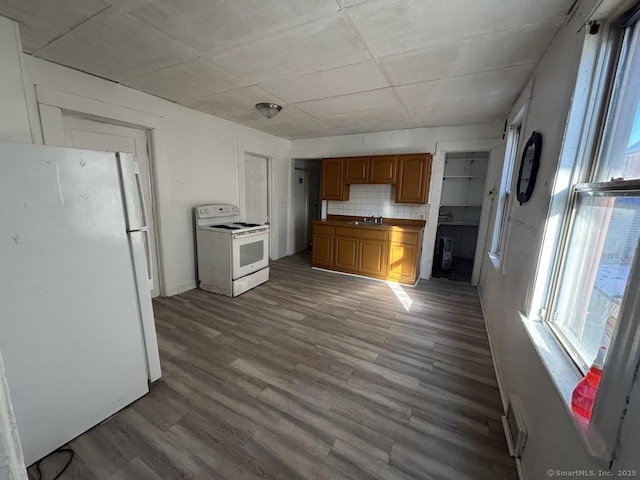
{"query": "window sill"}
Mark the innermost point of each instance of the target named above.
(565, 376)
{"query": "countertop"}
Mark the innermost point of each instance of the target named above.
(388, 224)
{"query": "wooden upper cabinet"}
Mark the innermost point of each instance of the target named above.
(414, 173)
(357, 170)
(333, 175)
(383, 168)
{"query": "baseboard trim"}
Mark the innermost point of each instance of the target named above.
(504, 395)
(185, 287)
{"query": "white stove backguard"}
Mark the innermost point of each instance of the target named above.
(217, 214)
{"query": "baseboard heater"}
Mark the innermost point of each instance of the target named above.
(514, 428)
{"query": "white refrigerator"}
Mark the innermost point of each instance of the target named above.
(77, 332)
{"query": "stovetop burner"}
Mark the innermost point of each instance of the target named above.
(247, 224)
(226, 227)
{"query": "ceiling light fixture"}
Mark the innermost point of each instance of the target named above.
(268, 110)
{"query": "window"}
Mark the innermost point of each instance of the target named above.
(601, 239)
(504, 199)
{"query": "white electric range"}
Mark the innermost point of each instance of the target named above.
(233, 256)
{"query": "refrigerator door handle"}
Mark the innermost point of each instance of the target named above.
(147, 252)
(145, 225)
(145, 218)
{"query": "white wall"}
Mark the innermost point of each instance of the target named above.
(419, 140)
(197, 159)
(552, 440)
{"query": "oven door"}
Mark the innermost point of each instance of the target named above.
(250, 253)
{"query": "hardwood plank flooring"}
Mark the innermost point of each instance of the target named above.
(312, 375)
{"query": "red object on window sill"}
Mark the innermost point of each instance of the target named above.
(584, 395)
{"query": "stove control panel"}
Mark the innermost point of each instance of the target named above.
(217, 210)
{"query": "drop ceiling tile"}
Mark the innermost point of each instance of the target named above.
(241, 99)
(320, 45)
(377, 127)
(299, 129)
(115, 46)
(209, 26)
(189, 80)
(383, 115)
(351, 3)
(452, 118)
(486, 52)
(42, 21)
(353, 103)
(464, 89)
(251, 117)
(329, 83)
(476, 108)
(397, 26)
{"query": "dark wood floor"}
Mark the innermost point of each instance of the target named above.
(313, 375)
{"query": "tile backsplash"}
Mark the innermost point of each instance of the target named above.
(377, 200)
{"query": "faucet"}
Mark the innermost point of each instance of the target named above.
(372, 219)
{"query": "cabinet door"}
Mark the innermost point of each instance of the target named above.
(414, 172)
(402, 262)
(333, 186)
(373, 257)
(322, 250)
(357, 170)
(382, 169)
(347, 254)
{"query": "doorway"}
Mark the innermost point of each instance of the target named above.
(95, 135)
(461, 204)
(306, 200)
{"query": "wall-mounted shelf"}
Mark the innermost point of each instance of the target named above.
(461, 200)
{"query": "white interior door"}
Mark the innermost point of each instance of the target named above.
(256, 189)
(90, 134)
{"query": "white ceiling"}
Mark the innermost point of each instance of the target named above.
(336, 66)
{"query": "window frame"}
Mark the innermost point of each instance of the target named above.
(505, 192)
(588, 168)
(601, 66)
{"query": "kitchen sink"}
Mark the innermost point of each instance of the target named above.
(366, 223)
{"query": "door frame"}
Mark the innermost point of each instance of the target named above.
(53, 104)
(270, 192)
(495, 147)
(294, 177)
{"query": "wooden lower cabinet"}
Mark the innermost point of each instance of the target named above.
(402, 262)
(373, 257)
(347, 254)
(392, 255)
(323, 250)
